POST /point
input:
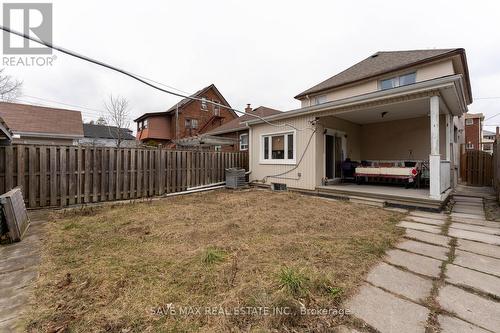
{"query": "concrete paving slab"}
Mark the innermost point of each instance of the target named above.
(455, 325)
(479, 248)
(420, 226)
(400, 282)
(475, 228)
(478, 310)
(467, 277)
(428, 237)
(478, 262)
(437, 216)
(425, 220)
(434, 251)
(469, 216)
(386, 312)
(458, 198)
(475, 236)
(414, 262)
(469, 210)
(486, 223)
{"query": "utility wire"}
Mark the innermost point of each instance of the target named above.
(136, 77)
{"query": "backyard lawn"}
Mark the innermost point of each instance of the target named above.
(208, 262)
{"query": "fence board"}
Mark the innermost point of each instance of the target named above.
(68, 175)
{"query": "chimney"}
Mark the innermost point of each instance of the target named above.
(248, 108)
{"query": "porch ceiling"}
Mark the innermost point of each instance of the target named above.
(383, 113)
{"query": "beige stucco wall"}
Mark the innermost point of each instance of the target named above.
(393, 140)
(307, 168)
(424, 73)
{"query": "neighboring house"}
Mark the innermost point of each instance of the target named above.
(237, 130)
(42, 125)
(488, 140)
(396, 107)
(194, 117)
(473, 131)
(5, 133)
(107, 136)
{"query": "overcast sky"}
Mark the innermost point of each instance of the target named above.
(258, 52)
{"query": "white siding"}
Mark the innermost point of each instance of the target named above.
(306, 168)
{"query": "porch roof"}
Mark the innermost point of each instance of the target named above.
(450, 88)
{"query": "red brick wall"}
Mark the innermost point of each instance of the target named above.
(192, 110)
(473, 134)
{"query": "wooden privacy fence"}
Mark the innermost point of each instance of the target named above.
(67, 175)
(476, 168)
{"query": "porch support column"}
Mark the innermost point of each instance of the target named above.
(449, 128)
(435, 157)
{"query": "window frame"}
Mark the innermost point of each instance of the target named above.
(241, 142)
(469, 145)
(286, 160)
(398, 78)
(204, 104)
(318, 97)
(471, 120)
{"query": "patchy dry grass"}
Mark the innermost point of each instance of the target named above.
(118, 269)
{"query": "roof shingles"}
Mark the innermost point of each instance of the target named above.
(23, 118)
(378, 64)
(237, 124)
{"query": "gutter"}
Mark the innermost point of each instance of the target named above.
(48, 135)
(365, 98)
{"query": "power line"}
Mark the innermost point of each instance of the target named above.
(135, 77)
(492, 97)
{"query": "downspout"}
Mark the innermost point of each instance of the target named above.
(250, 145)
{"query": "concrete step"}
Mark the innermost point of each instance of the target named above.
(367, 201)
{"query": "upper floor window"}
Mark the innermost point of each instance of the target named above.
(244, 141)
(278, 148)
(191, 123)
(216, 108)
(320, 99)
(469, 146)
(204, 104)
(398, 81)
(142, 124)
(469, 121)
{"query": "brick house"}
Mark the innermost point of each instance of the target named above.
(195, 117)
(473, 131)
(238, 131)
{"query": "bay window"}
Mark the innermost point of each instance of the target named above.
(278, 148)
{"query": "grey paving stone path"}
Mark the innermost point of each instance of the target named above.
(18, 269)
(427, 237)
(479, 248)
(397, 295)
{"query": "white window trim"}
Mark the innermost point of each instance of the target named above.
(248, 142)
(275, 161)
(396, 77)
(470, 121)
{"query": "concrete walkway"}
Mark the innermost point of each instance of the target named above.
(444, 277)
(18, 269)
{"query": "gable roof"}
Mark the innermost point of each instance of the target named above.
(183, 102)
(384, 62)
(488, 133)
(238, 125)
(30, 119)
(106, 132)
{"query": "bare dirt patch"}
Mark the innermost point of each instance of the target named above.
(123, 269)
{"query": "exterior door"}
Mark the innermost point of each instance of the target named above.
(333, 156)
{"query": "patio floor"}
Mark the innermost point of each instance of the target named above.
(385, 194)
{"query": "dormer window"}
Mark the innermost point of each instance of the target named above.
(320, 99)
(398, 81)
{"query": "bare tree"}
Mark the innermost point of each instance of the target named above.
(118, 114)
(101, 121)
(10, 88)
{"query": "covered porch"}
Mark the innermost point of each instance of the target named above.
(403, 150)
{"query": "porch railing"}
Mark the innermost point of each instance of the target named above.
(445, 175)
